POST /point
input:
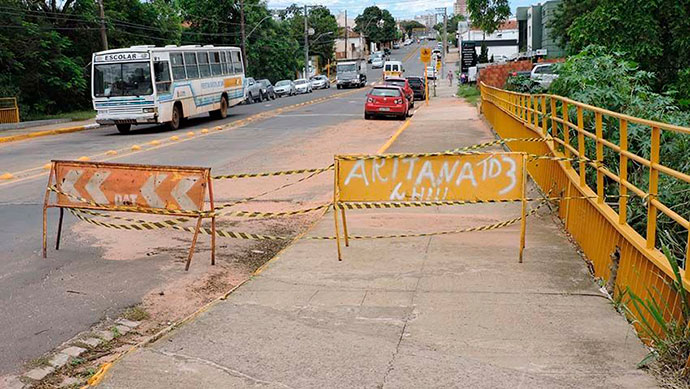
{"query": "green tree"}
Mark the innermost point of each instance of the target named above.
(377, 25)
(409, 25)
(488, 15)
(324, 24)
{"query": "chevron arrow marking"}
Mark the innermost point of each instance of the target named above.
(93, 187)
(67, 184)
(148, 190)
(179, 193)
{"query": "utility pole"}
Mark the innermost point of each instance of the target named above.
(346, 34)
(104, 35)
(306, 42)
(243, 37)
(445, 40)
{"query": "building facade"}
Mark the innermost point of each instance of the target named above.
(502, 44)
(460, 7)
(535, 36)
(428, 20)
(352, 47)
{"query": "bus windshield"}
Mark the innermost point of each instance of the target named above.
(122, 79)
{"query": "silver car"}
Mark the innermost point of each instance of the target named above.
(303, 86)
(285, 88)
(320, 82)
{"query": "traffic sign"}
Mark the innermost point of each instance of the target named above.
(425, 54)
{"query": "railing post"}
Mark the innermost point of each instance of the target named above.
(599, 133)
(566, 130)
(544, 128)
(623, 174)
(653, 187)
(581, 145)
(554, 125)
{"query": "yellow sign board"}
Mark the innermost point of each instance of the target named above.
(425, 54)
(485, 176)
(446, 177)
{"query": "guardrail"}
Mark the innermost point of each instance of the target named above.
(574, 131)
(9, 110)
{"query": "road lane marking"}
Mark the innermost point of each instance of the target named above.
(11, 179)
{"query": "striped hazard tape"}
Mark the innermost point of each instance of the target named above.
(253, 236)
(271, 174)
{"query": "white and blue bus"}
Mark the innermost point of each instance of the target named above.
(148, 84)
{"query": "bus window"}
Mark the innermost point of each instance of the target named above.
(162, 72)
(204, 67)
(190, 65)
(237, 62)
(214, 56)
(177, 66)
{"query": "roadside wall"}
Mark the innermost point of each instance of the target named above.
(497, 74)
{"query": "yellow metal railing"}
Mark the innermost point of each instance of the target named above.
(9, 111)
(568, 126)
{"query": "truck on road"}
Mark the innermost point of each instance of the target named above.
(351, 72)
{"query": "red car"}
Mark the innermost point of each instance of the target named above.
(405, 85)
(386, 100)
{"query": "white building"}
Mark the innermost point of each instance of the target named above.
(356, 45)
(503, 42)
(428, 20)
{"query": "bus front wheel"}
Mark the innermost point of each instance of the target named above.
(123, 128)
(174, 123)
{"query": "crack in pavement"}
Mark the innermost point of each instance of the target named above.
(225, 369)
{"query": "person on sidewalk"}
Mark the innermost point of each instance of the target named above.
(450, 77)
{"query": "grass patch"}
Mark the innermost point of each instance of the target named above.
(73, 116)
(38, 362)
(469, 92)
(136, 314)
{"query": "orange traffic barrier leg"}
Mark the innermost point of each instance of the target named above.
(191, 250)
(347, 239)
(59, 230)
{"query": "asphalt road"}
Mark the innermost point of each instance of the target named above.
(45, 302)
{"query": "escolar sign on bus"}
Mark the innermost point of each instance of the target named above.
(431, 178)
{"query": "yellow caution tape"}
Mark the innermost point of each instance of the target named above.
(270, 174)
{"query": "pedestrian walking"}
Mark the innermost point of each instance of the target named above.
(450, 77)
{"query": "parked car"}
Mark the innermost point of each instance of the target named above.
(377, 63)
(375, 54)
(386, 100)
(404, 85)
(285, 88)
(303, 86)
(431, 72)
(396, 46)
(267, 89)
(253, 92)
(543, 74)
(418, 87)
(320, 82)
(386, 51)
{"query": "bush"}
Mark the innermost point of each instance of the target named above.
(609, 80)
(523, 84)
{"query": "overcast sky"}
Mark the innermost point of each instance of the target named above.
(405, 9)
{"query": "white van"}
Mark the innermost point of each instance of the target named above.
(393, 69)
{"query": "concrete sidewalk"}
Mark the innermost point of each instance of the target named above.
(15, 134)
(443, 311)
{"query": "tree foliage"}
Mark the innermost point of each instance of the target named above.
(409, 25)
(488, 15)
(653, 33)
(606, 79)
(377, 25)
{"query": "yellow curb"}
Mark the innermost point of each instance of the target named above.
(204, 131)
(190, 134)
(218, 128)
(174, 137)
(154, 143)
(111, 152)
(84, 158)
(7, 176)
(37, 134)
(136, 147)
(47, 166)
